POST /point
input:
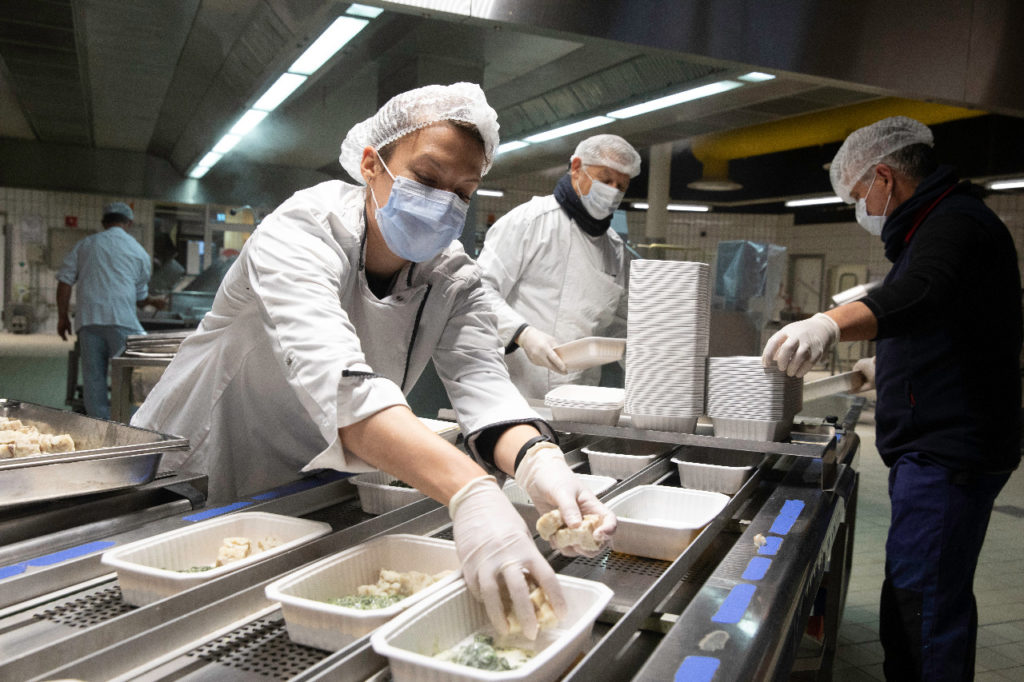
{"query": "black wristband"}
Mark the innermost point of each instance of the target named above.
(526, 446)
(513, 345)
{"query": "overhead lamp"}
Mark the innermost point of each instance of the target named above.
(490, 193)
(1013, 183)
(198, 172)
(357, 10)
(226, 143)
(210, 159)
(284, 86)
(249, 120)
(562, 131)
(696, 208)
(510, 146)
(756, 77)
(814, 201)
(677, 98)
(330, 41)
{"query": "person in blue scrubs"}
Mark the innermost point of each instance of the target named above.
(947, 322)
(112, 272)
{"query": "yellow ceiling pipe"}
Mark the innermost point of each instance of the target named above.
(715, 150)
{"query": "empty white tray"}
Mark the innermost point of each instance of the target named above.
(660, 522)
(718, 471)
(590, 351)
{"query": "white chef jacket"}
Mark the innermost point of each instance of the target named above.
(296, 347)
(552, 275)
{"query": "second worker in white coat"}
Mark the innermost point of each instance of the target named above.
(328, 317)
(560, 272)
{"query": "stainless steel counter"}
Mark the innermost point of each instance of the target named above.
(65, 618)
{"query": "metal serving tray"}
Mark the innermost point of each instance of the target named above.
(109, 456)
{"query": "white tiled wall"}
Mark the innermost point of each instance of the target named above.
(36, 283)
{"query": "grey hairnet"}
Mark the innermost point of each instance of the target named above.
(409, 111)
(869, 145)
(611, 151)
(120, 208)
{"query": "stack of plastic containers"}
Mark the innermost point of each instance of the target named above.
(746, 400)
(667, 348)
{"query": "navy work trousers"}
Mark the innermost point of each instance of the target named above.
(928, 616)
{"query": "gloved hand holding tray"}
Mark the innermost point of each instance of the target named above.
(591, 351)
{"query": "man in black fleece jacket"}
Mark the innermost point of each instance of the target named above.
(947, 322)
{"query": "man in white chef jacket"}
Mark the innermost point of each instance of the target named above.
(329, 315)
(559, 271)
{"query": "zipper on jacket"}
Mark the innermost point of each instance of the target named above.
(415, 332)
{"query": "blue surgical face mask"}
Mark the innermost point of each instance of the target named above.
(872, 223)
(417, 221)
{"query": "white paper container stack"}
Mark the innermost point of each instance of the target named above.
(589, 404)
(668, 326)
(150, 569)
(311, 621)
(411, 640)
(746, 400)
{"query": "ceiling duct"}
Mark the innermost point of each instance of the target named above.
(715, 150)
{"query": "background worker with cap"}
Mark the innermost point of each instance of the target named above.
(111, 270)
(327, 318)
(947, 321)
(559, 272)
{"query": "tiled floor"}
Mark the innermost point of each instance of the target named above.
(998, 585)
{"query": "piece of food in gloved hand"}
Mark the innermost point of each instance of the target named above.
(542, 608)
(553, 529)
(479, 651)
(391, 587)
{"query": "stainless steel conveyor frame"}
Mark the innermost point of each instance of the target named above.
(657, 624)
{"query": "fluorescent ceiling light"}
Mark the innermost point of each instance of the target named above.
(463, 7)
(330, 41)
(226, 143)
(357, 10)
(1015, 183)
(756, 77)
(569, 129)
(696, 208)
(279, 91)
(677, 98)
(210, 159)
(198, 172)
(510, 147)
(490, 193)
(249, 120)
(815, 201)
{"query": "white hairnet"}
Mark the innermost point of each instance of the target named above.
(120, 208)
(419, 108)
(608, 150)
(867, 146)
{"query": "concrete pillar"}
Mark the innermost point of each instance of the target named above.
(659, 175)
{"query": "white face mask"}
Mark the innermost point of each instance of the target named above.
(602, 200)
(872, 223)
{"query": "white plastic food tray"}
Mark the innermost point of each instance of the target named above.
(376, 496)
(753, 429)
(521, 501)
(620, 458)
(722, 471)
(149, 570)
(660, 522)
(591, 351)
(411, 640)
(311, 621)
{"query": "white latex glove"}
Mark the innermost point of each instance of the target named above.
(551, 484)
(799, 345)
(866, 366)
(496, 548)
(540, 349)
